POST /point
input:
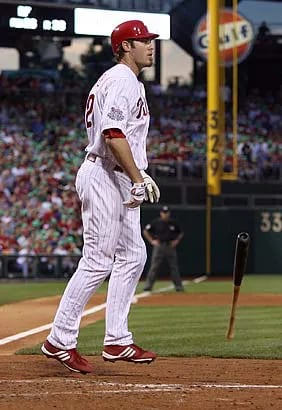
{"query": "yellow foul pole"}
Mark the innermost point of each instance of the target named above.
(235, 98)
(234, 174)
(214, 168)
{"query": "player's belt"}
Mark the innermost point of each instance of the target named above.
(92, 157)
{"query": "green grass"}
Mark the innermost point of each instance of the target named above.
(250, 284)
(11, 292)
(189, 331)
(195, 331)
(18, 291)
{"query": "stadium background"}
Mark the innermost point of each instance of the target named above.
(37, 176)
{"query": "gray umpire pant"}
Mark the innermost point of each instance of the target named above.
(161, 253)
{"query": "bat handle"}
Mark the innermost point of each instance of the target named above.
(230, 332)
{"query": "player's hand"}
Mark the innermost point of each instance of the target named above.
(152, 192)
(137, 195)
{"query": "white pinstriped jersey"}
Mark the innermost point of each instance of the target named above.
(113, 244)
(118, 100)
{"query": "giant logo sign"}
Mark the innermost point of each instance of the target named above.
(234, 31)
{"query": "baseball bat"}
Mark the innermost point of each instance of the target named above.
(239, 268)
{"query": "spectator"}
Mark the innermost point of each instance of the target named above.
(25, 263)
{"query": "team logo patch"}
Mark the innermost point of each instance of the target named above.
(116, 114)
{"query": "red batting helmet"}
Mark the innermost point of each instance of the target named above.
(133, 29)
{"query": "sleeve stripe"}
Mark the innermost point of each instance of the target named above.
(113, 133)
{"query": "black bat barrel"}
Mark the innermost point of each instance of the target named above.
(241, 257)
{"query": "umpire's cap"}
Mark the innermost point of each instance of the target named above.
(165, 209)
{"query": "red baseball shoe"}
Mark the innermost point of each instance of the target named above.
(69, 358)
(129, 353)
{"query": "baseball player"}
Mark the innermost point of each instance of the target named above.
(111, 184)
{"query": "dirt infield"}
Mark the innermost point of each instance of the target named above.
(33, 382)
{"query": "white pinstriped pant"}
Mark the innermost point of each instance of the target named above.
(113, 245)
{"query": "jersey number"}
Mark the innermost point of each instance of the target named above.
(89, 110)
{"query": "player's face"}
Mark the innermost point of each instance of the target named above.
(142, 53)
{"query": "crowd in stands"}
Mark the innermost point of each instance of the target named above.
(43, 139)
(178, 134)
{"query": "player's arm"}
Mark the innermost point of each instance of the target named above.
(114, 124)
(120, 148)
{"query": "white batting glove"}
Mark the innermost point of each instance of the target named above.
(152, 192)
(137, 195)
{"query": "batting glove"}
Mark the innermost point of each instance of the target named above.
(137, 195)
(152, 192)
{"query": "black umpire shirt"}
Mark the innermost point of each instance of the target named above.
(165, 231)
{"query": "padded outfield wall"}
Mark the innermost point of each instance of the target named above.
(264, 227)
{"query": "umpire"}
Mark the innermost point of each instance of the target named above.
(164, 234)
